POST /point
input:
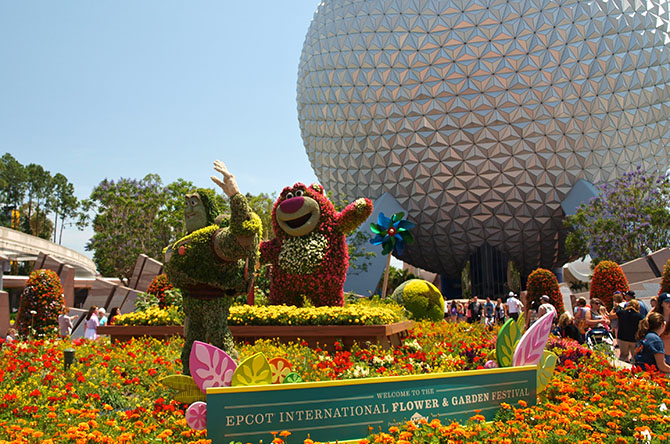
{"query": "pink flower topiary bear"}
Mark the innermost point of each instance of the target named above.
(309, 254)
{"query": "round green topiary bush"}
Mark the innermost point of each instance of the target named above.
(608, 277)
(542, 281)
(421, 299)
(42, 301)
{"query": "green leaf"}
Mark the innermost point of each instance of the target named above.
(545, 369)
(254, 370)
(292, 377)
(187, 390)
(377, 229)
(521, 323)
(387, 245)
(508, 336)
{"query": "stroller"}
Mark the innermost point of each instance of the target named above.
(599, 335)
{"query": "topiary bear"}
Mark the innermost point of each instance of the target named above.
(309, 254)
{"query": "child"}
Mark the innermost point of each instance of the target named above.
(11, 336)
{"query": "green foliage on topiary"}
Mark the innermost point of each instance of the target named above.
(608, 277)
(542, 281)
(665, 280)
(421, 299)
(42, 301)
(194, 263)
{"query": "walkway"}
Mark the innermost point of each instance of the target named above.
(18, 246)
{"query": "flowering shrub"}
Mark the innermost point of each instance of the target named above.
(361, 314)
(42, 301)
(365, 312)
(158, 288)
(608, 277)
(152, 316)
(542, 281)
(665, 280)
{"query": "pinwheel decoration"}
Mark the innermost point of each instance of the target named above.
(392, 234)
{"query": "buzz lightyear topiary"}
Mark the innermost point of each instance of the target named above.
(213, 263)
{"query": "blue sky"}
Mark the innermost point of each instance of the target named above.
(102, 89)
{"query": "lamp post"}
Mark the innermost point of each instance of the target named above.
(68, 357)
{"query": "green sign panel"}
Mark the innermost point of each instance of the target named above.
(343, 410)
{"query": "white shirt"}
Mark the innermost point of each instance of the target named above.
(514, 305)
(545, 308)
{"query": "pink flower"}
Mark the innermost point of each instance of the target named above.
(196, 415)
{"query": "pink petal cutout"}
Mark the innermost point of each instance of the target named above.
(196, 415)
(531, 345)
(210, 366)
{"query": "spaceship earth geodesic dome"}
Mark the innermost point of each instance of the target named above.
(480, 115)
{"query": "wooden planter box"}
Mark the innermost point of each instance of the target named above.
(123, 333)
(323, 335)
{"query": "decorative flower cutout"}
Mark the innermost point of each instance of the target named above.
(196, 415)
(392, 233)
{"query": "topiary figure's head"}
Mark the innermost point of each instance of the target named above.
(421, 299)
(201, 209)
(301, 210)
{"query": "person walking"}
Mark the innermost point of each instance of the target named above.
(546, 307)
(595, 317)
(580, 315)
(651, 352)
(475, 310)
(489, 311)
(92, 322)
(102, 316)
(617, 301)
(500, 311)
(65, 323)
(629, 319)
(514, 306)
(629, 296)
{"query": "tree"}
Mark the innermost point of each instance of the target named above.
(62, 202)
(396, 277)
(262, 205)
(38, 224)
(38, 187)
(12, 181)
(625, 221)
(134, 217)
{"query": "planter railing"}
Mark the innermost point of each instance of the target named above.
(322, 335)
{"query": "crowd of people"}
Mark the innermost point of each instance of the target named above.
(641, 334)
(488, 312)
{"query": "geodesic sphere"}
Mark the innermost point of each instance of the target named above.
(480, 115)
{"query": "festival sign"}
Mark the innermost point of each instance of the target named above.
(344, 410)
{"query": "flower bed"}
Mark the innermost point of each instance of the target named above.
(111, 393)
